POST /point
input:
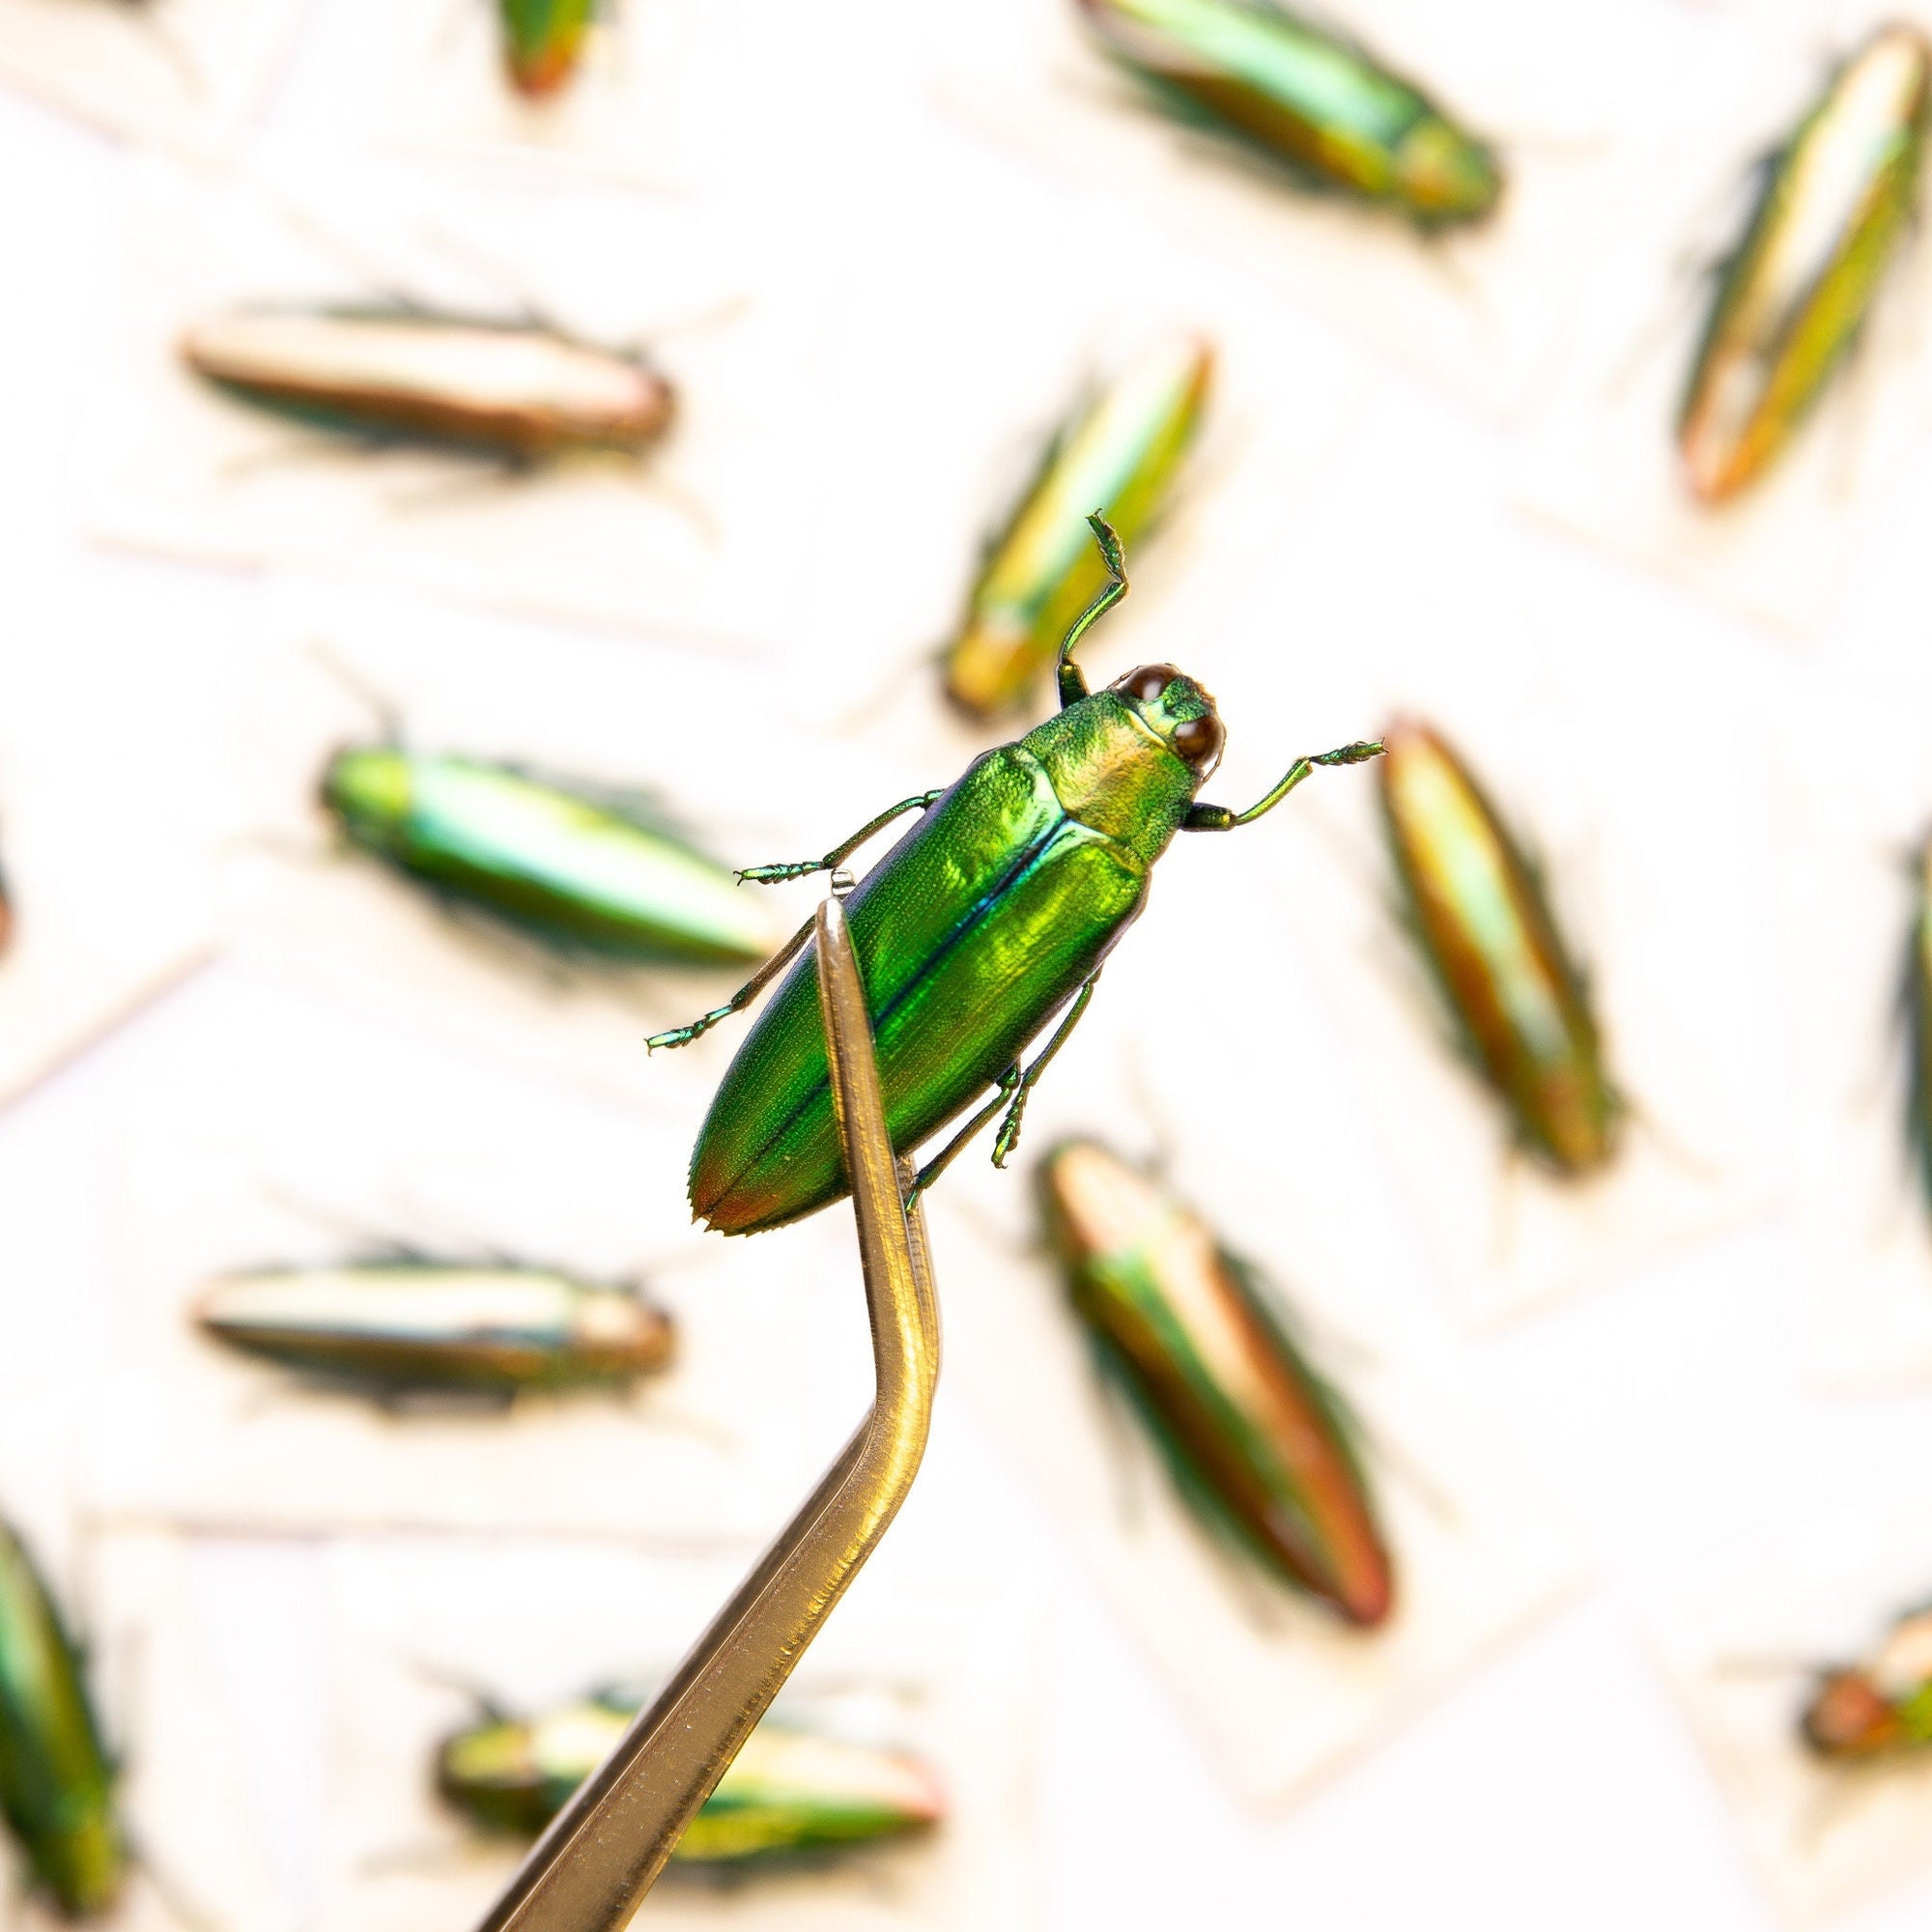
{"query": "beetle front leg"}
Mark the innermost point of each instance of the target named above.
(801, 868)
(683, 1035)
(1218, 818)
(1008, 1136)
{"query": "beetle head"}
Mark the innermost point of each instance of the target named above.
(1850, 1717)
(1178, 712)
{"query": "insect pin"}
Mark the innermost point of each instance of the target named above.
(1121, 452)
(404, 1324)
(1307, 97)
(1836, 202)
(56, 1778)
(581, 869)
(1519, 1004)
(791, 1790)
(519, 392)
(1879, 1707)
(995, 911)
(544, 43)
(1259, 1444)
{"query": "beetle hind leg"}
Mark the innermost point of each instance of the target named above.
(1008, 1136)
(1016, 1084)
(1010, 1081)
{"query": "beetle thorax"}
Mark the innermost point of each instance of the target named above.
(1112, 771)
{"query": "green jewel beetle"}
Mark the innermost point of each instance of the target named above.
(579, 868)
(1260, 1446)
(543, 41)
(56, 1778)
(998, 908)
(1880, 1707)
(789, 1790)
(516, 392)
(402, 1324)
(1121, 452)
(1308, 98)
(1836, 201)
(1476, 910)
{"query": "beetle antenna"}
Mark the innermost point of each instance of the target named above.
(1073, 681)
(388, 713)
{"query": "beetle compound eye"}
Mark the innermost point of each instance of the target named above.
(1148, 683)
(1198, 740)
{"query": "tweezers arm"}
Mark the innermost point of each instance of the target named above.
(604, 1851)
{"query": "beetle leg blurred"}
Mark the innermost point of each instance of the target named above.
(944, 1157)
(1008, 1136)
(1218, 818)
(683, 1035)
(765, 875)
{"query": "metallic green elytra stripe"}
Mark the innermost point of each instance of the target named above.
(401, 1324)
(789, 1791)
(1879, 1707)
(56, 1782)
(1307, 97)
(1479, 917)
(576, 867)
(543, 41)
(1119, 455)
(1259, 1444)
(520, 393)
(997, 908)
(1836, 202)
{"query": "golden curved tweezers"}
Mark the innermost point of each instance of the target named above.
(590, 1870)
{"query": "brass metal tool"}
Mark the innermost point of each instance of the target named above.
(590, 1870)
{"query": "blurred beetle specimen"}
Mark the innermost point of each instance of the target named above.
(402, 1324)
(544, 41)
(1879, 1707)
(789, 1791)
(1259, 1444)
(1476, 910)
(1836, 201)
(995, 911)
(56, 1779)
(581, 869)
(520, 392)
(1120, 453)
(1307, 97)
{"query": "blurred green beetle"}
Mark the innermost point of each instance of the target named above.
(1478, 915)
(1881, 1707)
(579, 868)
(56, 1778)
(789, 1791)
(1259, 1445)
(1307, 97)
(1836, 201)
(1121, 452)
(406, 1324)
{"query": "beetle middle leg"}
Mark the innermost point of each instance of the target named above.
(1016, 1084)
(683, 1035)
(801, 868)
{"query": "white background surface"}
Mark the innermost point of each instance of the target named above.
(1560, 1786)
